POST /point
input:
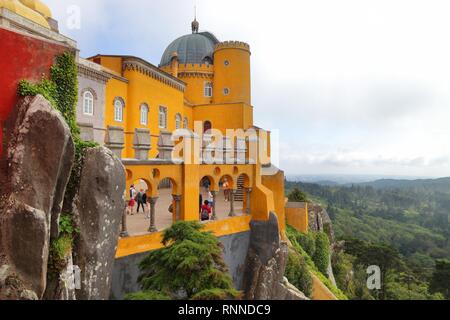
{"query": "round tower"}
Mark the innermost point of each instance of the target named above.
(232, 73)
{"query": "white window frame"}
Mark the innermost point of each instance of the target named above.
(185, 123)
(88, 103)
(178, 121)
(144, 111)
(208, 89)
(162, 117)
(118, 110)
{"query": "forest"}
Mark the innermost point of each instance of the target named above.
(401, 226)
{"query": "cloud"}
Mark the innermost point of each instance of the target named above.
(353, 85)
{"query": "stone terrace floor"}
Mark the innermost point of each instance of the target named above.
(138, 224)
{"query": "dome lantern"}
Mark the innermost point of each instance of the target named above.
(195, 26)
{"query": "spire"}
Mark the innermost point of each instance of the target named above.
(195, 25)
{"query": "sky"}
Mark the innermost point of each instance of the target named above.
(352, 86)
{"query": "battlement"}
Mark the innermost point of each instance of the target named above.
(232, 45)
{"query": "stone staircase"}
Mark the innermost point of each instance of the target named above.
(239, 197)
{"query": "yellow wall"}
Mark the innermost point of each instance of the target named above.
(320, 291)
(225, 116)
(150, 242)
(110, 62)
(145, 89)
(116, 88)
(297, 216)
(235, 76)
(276, 184)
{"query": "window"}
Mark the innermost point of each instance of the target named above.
(162, 117)
(88, 103)
(178, 121)
(208, 89)
(185, 123)
(144, 114)
(118, 109)
(226, 91)
(226, 63)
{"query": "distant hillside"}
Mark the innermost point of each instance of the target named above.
(442, 184)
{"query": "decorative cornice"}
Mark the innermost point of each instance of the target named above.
(196, 74)
(136, 64)
(92, 73)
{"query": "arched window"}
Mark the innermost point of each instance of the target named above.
(207, 125)
(144, 114)
(88, 103)
(118, 109)
(162, 117)
(208, 89)
(178, 121)
(185, 123)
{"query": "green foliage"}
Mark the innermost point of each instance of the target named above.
(217, 294)
(440, 282)
(46, 88)
(190, 263)
(297, 195)
(403, 228)
(298, 274)
(147, 296)
(293, 234)
(66, 225)
(64, 76)
(307, 242)
(321, 255)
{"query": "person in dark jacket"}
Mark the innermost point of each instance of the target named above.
(140, 200)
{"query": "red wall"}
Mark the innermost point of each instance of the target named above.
(21, 57)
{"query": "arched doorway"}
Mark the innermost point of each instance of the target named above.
(165, 205)
(138, 209)
(207, 126)
(207, 192)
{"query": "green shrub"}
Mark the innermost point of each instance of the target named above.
(297, 195)
(298, 274)
(321, 255)
(190, 265)
(307, 241)
(147, 296)
(292, 234)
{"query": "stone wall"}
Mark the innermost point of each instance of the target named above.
(126, 270)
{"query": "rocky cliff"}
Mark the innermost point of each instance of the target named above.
(34, 174)
(266, 264)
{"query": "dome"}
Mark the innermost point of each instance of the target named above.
(195, 48)
(38, 6)
(18, 8)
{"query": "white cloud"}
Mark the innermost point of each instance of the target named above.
(355, 86)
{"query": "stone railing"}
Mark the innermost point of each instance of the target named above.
(221, 152)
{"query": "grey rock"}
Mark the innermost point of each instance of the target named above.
(98, 208)
(33, 181)
(28, 295)
(266, 264)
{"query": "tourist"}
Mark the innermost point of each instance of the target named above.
(140, 200)
(206, 211)
(226, 190)
(145, 204)
(132, 202)
(211, 198)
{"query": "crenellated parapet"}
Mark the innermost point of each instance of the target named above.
(232, 45)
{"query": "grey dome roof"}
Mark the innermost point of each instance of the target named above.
(191, 48)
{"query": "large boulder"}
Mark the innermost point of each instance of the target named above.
(40, 151)
(98, 208)
(266, 264)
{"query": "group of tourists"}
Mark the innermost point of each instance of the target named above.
(141, 199)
